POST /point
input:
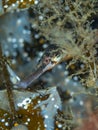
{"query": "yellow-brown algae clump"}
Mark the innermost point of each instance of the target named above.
(17, 4)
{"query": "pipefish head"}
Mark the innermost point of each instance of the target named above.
(52, 56)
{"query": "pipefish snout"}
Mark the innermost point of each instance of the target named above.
(51, 57)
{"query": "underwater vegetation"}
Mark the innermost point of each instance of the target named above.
(48, 65)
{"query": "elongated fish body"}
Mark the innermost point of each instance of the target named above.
(50, 58)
